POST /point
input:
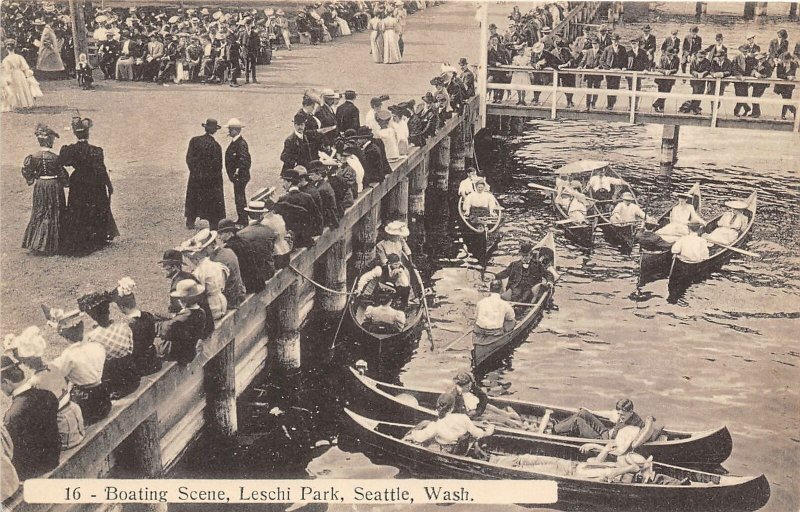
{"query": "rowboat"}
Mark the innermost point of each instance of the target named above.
(404, 404)
(580, 233)
(655, 262)
(485, 348)
(701, 490)
(481, 240)
(683, 274)
(623, 236)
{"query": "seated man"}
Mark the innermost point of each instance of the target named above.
(626, 212)
(602, 185)
(585, 424)
(691, 248)
(526, 276)
(467, 185)
(577, 205)
(383, 316)
(493, 315)
(450, 429)
(679, 218)
(480, 204)
(395, 274)
(731, 225)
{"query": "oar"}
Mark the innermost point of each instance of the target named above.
(572, 221)
(424, 306)
(541, 187)
(735, 249)
(455, 341)
(618, 224)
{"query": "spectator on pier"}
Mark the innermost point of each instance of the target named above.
(716, 48)
(614, 57)
(638, 60)
(297, 146)
(375, 104)
(119, 374)
(376, 165)
(542, 59)
(342, 179)
(255, 267)
(721, 67)
(143, 329)
(571, 59)
(668, 65)
(762, 69)
(180, 334)
(605, 37)
(347, 114)
(351, 169)
(424, 122)
(778, 47)
(467, 78)
(298, 210)
(9, 480)
(673, 41)
(692, 44)
(281, 247)
(30, 421)
(520, 77)
(387, 135)
(211, 274)
(326, 114)
(648, 44)
(786, 70)
(173, 265)
(400, 116)
(741, 66)
(234, 287)
(259, 236)
(454, 87)
(592, 59)
(317, 180)
(700, 69)
(583, 42)
(497, 56)
(750, 47)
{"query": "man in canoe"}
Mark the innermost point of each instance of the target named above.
(527, 275)
(679, 218)
(384, 316)
(395, 277)
(602, 185)
(585, 424)
(691, 248)
(731, 224)
(627, 212)
(494, 316)
(480, 204)
(451, 431)
(467, 185)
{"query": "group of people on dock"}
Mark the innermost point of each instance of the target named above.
(529, 43)
(331, 157)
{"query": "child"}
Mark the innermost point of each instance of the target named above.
(84, 72)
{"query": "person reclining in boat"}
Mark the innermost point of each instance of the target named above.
(383, 317)
(473, 401)
(451, 431)
(494, 316)
(394, 243)
(563, 181)
(602, 185)
(731, 224)
(679, 218)
(480, 204)
(627, 212)
(527, 276)
(394, 274)
(585, 424)
(467, 185)
(691, 248)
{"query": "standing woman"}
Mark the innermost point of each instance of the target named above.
(391, 47)
(400, 14)
(49, 62)
(43, 170)
(17, 93)
(376, 37)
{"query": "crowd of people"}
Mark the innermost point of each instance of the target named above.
(530, 42)
(161, 45)
(331, 156)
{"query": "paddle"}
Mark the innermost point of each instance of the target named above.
(455, 341)
(541, 187)
(735, 249)
(424, 305)
(569, 221)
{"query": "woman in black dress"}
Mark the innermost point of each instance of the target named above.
(48, 177)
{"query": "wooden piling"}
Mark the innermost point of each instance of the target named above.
(669, 146)
(458, 151)
(417, 184)
(332, 273)
(219, 383)
(287, 342)
(395, 204)
(440, 163)
(139, 455)
(364, 237)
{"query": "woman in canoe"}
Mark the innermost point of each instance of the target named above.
(731, 224)
(679, 218)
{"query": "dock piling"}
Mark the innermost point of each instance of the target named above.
(669, 147)
(220, 387)
(332, 271)
(417, 184)
(364, 237)
(287, 311)
(440, 163)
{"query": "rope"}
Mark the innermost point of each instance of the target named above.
(317, 284)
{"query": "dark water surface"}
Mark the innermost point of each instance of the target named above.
(723, 354)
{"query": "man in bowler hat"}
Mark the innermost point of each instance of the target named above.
(204, 194)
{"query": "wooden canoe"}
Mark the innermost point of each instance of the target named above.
(655, 263)
(582, 233)
(704, 491)
(481, 240)
(404, 404)
(624, 236)
(683, 274)
(486, 349)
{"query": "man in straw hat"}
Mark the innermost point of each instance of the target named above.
(172, 263)
(731, 224)
(259, 236)
(627, 211)
(180, 334)
(327, 115)
(237, 165)
(204, 194)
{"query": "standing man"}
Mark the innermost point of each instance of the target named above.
(467, 77)
(673, 41)
(299, 211)
(614, 57)
(716, 48)
(721, 67)
(327, 117)
(700, 69)
(252, 47)
(649, 44)
(296, 147)
(592, 59)
(347, 114)
(204, 195)
(692, 44)
(638, 60)
(237, 165)
(667, 66)
(233, 55)
(762, 69)
(742, 66)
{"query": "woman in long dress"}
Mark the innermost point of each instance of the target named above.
(344, 28)
(521, 77)
(376, 38)
(17, 90)
(48, 177)
(391, 47)
(49, 62)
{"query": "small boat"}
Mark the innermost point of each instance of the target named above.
(485, 348)
(623, 236)
(700, 490)
(481, 240)
(655, 263)
(683, 274)
(404, 404)
(581, 233)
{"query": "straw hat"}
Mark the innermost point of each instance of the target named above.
(397, 228)
(234, 123)
(256, 207)
(627, 196)
(736, 204)
(187, 288)
(200, 241)
(30, 343)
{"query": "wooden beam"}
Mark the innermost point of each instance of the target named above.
(219, 384)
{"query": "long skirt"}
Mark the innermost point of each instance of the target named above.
(391, 48)
(125, 69)
(344, 28)
(376, 41)
(44, 229)
(18, 91)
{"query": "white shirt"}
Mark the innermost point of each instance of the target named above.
(576, 210)
(691, 248)
(385, 315)
(355, 164)
(399, 277)
(624, 213)
(390, 142)
(447, 430)
(492, 312)
(82, 363)
(213, 275)
(683, 214)
(481, 200)
(370, 121)
(466, 187)
(391, 246)
(603, 182)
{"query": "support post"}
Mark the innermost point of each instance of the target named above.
(139, 456)
(219, 383)
(418, 182)
(483, 66)
(78, 28)
(761, 8)
(364, 238)
(458, 151)
(332, 273)
(440, 160)
(395, 204)
(287, 343)
(669, 147)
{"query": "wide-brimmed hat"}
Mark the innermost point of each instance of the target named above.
(199, 241)
(736, 204)
(217, 15)
(326, 159)
(383, 115)
(627, 196)
(211, 123)
(93, 300)
(174, 19)
(538, 47)
(101, 19)
(187, 288)
(751, 35)
(172, 256)
(463, 378)
(42, 130)
(397, 228)
(227, 226)
(329, 93)
(280, 12)
(686, 195)
(256, 207)
(546, 30)
(364, 132)
(234, 123)
(29, 343)
(81, 124)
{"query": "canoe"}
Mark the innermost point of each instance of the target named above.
(654, 264)
(704, 491)
(485, 349)
(481, 241)
(624, 236)
(683, 274)
(583, 233)
(387, 340)
(404, 404)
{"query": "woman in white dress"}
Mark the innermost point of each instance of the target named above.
(387, 135)
(391, 46)
(344, 28)
(521, 77)
(376, 38)
(49, 61)
(17, 91)
(399, 123)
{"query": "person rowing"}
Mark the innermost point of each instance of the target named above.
(577, 206)
(528, 275)
(691, 248)
(467, 185)
(480, 204)
(451, 431)
(394, 277)
(576, 190)
(731, 224)
(384, 317)
(602, 185)
(626, 212)
(394, 243)
(679, 218)
(494, 316)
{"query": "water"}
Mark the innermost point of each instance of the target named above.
(721, 355)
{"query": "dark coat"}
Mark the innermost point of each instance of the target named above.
(347, 117)
(343, 192)
(237, 161)
(31, 422)
(89, 221)
(691, 45)
(326, 116)
(204, 194)
(301, 215)
(376, 166)
(468, 79)
(261, 240)
(421, 126)
(649, 45)
(614, 59)
(255, 266)
(144, 355)
(639, 61)
(174, 307)
(295, 152)
(331, 213)
(671, 42)
(520, 278)
(180, 335)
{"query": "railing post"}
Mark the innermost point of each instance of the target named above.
(715, 102)
(219, 382)
(287, 311)
(457, 150)
(332, 272)
(416, 188)
(364, 237)
(632, 117)
(554, 100)
(395, 203)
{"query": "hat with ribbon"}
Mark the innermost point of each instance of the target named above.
(234, 123)
(187, 289)
(81, 124)
(172, 257)
(44, 131)
(93, 300)
(397, 228)
(211, 123)
(199, 241)
(256, 207)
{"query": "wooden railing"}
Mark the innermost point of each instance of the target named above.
(572, 25)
